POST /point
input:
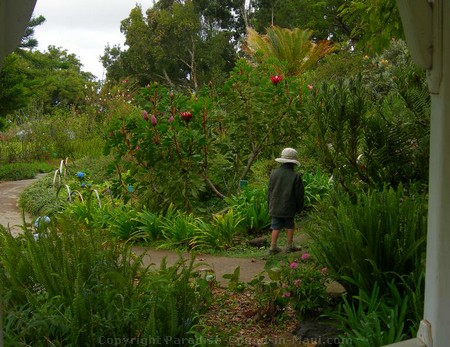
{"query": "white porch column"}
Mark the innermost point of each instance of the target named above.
(437, 288)
(427, 30)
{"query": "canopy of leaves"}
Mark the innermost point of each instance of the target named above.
(36, 82)
(176, 43)
(322, 17)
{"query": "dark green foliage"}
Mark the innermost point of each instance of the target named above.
(373, 128)
(13, 94)
(71, 287)
(378, 318)
(322, 17)
(372, 237)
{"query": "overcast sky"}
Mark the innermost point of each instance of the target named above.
(84, 27)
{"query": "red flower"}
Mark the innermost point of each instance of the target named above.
(153, 120)
(276, 79)
(186, 116)
(145, 115)
(310, 87)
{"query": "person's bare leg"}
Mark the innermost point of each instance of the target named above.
(290, 237)
(274, 239)
(290, 241)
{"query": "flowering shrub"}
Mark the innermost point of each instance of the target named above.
(164, 155)
(304, 285)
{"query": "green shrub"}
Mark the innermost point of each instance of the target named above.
(300, 283)
(179, 229)
(73, 287)
(372, 238)
(317, 186)
(221, 233)
(39, 198)
(250, 204)
(373, 319)
(21, 171)
(150, 224)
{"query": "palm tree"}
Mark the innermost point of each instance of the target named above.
(292, 47)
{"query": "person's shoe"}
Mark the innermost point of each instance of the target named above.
(292, 249)
(274, 251)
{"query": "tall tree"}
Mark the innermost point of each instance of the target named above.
(322, 17)
(179, 43)
(38, 82)
(28, 40)
(374, 23)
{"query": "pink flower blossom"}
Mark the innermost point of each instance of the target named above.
(294, 265)
(186, 116)
(145, 115)
(286, 295)
(297, 282)
(276, 79)
(324, 270)
(305, 256)
(310, 87)
(153, 120)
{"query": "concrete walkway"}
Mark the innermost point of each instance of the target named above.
(10, 214)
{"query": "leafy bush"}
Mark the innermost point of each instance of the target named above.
(179, 229)
(73, 287)
(302, 284)
(221, 233)
(373, 319)
(150, 225)
(372, 238)
(250, 204)
(317, 186)
(372, 128)
(39, 198)
(21, 171)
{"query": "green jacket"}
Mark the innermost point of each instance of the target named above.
(285, 193)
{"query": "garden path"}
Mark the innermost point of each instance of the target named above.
(11, 216)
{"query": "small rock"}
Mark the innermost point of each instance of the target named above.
(259, 242)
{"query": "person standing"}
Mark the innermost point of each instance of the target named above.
(285, 198)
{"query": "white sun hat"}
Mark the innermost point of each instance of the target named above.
(288, 155)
